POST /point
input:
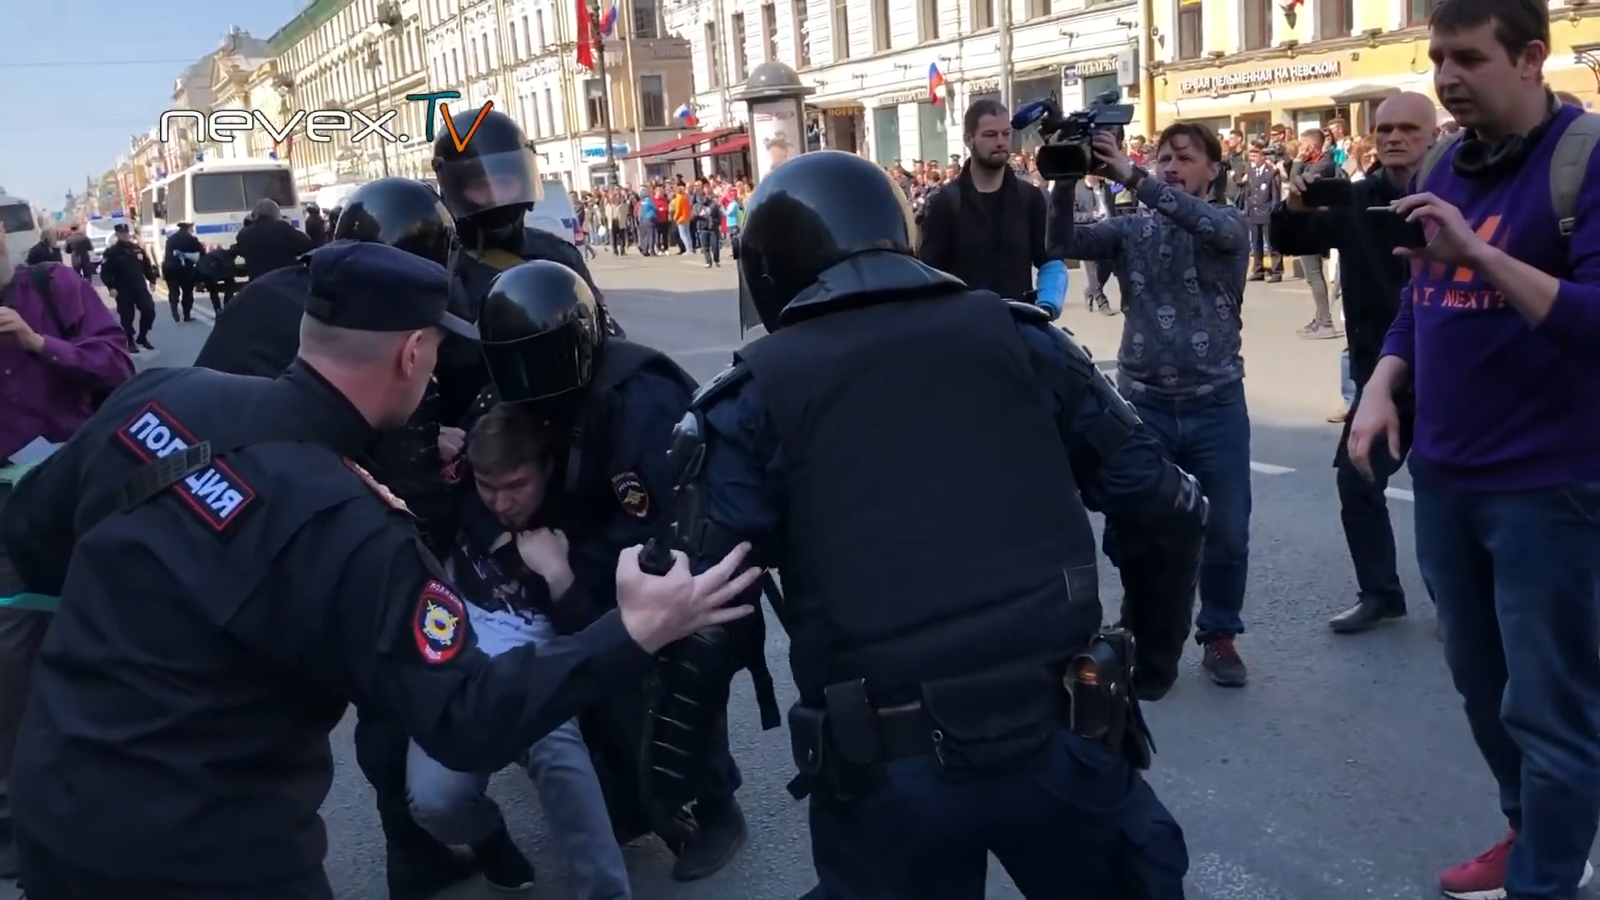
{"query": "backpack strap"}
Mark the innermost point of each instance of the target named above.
(1440, 150)
(1568, 166)
(41, 276)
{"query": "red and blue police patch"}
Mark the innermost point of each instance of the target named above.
(631, 494)
(439, 623)
(216, 493)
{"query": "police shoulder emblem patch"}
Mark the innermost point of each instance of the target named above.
(384, 494)
(631, 493)
(439, 623)
(214, 492)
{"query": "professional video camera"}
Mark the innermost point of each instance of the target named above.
(1066, 155)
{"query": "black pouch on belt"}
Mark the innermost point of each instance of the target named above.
(994, 719)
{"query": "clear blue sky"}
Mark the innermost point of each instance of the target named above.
(85, 76)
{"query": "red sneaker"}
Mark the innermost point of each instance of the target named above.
(1481, 878)
(1484, 876)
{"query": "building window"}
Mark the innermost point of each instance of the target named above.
(713, 56)
(1335, 18)
(653, 101)
(982, 14)
(1258, 24)
(646, 19)
(802, 34)
(538, 30)
(594, 103)
(527, 38)
(474, 60)
(886, 134)
(769, 30)
(741, 64)
(841, 29)
(1419, 11)
(881, 38)
(1191, 29)
(1038, 9)
(550, 114)
(927, 20)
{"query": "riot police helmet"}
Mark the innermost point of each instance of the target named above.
(487, 171)
(540, 331)
(811, 213)
(402, 213)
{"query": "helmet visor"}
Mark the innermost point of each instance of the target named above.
(476, 184)
(539, 367)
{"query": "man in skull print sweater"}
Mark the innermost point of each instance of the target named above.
(1180, 266)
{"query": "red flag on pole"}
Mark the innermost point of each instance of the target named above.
(585, 36)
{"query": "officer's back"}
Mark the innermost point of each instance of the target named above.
(125, 267)
(260, 335)
(269, 243)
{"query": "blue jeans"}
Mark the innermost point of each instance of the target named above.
(1209, 437)
(455, 806)
(1516, 578)
(1077, 816)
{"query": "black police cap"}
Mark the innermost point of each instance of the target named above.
(375, 287)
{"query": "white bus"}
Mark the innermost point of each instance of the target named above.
(20, 228)
(215, 197)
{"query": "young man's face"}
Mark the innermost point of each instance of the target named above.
(515, 496)
(1481, 84)
(990, 142)
(1183, 163)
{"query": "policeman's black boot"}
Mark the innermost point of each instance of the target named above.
(502, 862)
(420, 870)
(721, 835)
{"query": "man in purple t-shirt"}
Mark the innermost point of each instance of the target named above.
(1499, 333)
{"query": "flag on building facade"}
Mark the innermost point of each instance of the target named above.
(608, 20)
(585, 36)
(935, 83)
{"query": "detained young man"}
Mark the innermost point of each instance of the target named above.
(1500, 336)
(520, 590)
(1181, 267)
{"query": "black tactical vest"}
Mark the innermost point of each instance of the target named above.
(151, 590)
(932, 528)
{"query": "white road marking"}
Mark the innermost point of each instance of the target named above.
(1400, 494)
(1268, 468)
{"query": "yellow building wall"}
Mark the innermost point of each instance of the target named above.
(1368, 66)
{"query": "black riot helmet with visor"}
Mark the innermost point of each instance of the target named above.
(541, 331)
(812, 213)
(402, 213)
(488, 174)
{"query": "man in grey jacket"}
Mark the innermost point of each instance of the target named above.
(1091, 204)
(1181, 265)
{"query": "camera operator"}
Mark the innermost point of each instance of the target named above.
(1181, 270)
(1372, 278)
(987, 226)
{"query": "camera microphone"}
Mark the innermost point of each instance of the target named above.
(1030, 115)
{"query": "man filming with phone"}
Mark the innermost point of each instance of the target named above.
(1328, 213)
(1499, 335)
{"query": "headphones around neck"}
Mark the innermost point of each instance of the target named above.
(1478, 158)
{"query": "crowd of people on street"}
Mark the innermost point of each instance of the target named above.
(696, 217)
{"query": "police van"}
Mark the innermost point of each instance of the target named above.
(20, 227)
(554, 212)
(215, 197)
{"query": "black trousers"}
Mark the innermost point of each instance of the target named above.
(142, 306)
(180, 294)
(381, 747)
(49, 877)
(1364, 512)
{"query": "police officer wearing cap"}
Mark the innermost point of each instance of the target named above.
(490, 185)
(616, 403)
(261, 336)
(918, 462)
(230, 579)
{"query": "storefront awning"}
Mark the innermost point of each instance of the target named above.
(1360, 92)
(682, 143)
(736, 145)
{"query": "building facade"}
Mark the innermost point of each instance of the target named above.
(1246, 64)
(870, 61)
(364, 55)
(522, 55)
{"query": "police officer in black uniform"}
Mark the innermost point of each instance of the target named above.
(546, 348)
(126, 270)
(230, 580)
(489, 187)
(260, 335)
(918, 461)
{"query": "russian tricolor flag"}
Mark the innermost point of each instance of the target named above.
(608, 20)
(935, 83)
(685, 114)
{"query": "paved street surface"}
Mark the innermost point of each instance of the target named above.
(1343, 770)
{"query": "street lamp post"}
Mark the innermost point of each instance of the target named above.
(605, 85)
(374, 63)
